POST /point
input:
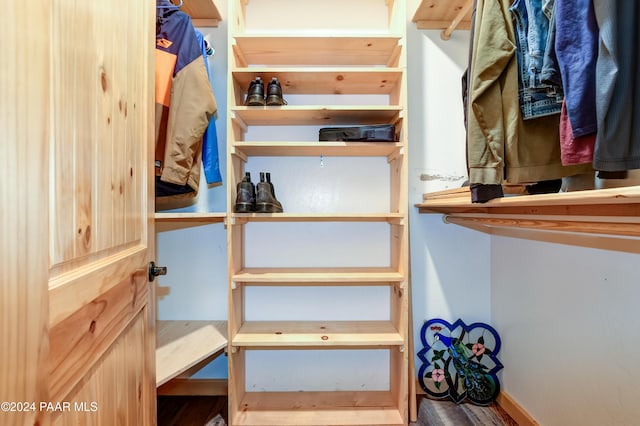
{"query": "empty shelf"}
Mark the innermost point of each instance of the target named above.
(182, 344)
(310, 334)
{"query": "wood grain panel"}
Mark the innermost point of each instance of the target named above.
(80, 340)
(99, 87)
(74, 289)
(24, 165)
(113, 392)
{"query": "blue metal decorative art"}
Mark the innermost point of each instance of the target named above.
(459, 361)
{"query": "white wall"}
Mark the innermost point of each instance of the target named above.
(570, 329)
(450, 265)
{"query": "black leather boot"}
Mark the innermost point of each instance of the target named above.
(246, 195)
(274, 93)
(273, 190)
(265, 198)
(255, 94)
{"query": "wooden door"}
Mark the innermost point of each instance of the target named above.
(77, 312)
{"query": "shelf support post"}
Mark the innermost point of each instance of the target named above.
(446, 34)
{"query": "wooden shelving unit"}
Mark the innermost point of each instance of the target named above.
(602, 218)
(203, 13)
(319, 64)
(447, 15)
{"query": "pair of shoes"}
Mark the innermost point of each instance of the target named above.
(256, 94)
(260, 198)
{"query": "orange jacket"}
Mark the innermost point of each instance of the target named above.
(184, 105)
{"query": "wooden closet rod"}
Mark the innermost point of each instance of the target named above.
(446, 33)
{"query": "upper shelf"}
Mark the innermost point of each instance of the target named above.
(444, 14)
(203, 13)
(602, 218)
(316, 50)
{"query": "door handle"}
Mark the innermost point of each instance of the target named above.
(155, 270)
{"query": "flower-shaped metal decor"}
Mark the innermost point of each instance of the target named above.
(459, 361)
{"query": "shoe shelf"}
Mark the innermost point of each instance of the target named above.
(181, 345)
(313, 334)
(323, 80)
(170, 221)
(305, 115)
(309, 50)
(599, 218)
(298, 149)
(242, 218)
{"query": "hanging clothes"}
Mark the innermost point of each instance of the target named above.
(210, 157)
(574, 150)
(618, 139)
(577, 51)
(184, 105)
(531, 24)
(550, 69)
(501, 145)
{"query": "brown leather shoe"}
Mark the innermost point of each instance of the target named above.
(245, 196)
(266, 201)
(255, 94)
(274, 93)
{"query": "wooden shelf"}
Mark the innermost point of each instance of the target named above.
(241, 218)
(319, 409)
(336, 149)
(314, 115)
(181, 345)
(603, 218)
(323, 50)
(203, 13)
(314, 334)
(444, 14)
(347, 276)
(171, 221)
(324, 80)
